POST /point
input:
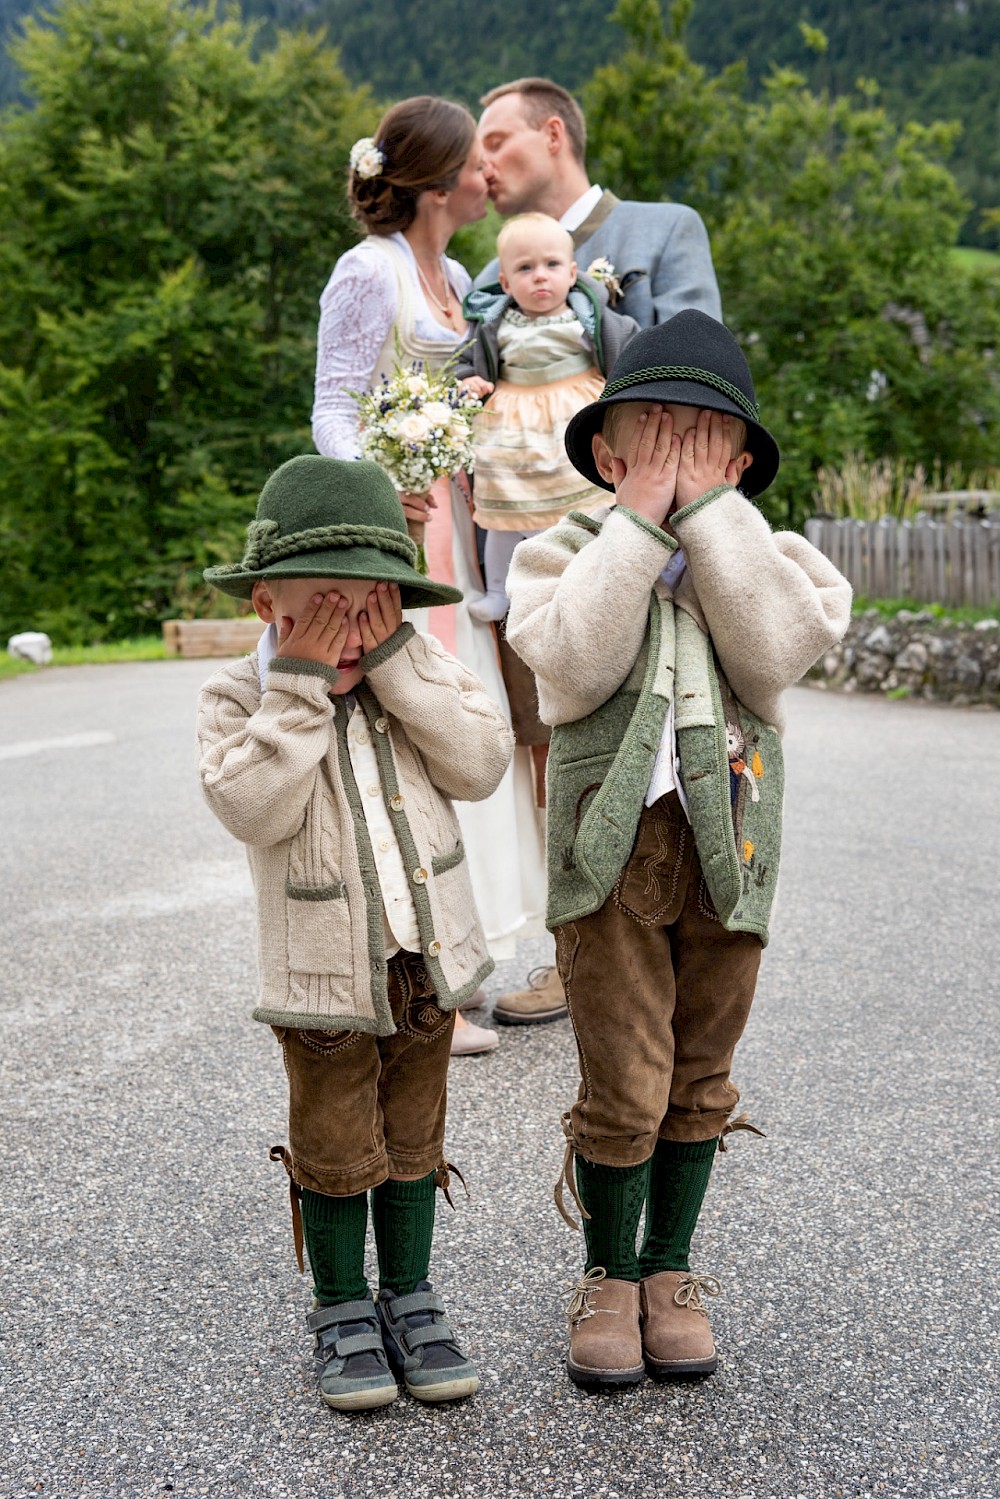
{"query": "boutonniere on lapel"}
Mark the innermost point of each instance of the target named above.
(602, 270)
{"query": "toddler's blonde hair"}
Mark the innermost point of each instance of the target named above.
(542, 219)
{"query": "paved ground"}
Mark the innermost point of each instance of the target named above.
(151, 1336)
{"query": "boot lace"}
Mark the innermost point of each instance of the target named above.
(579, 1308)
(691, 1290)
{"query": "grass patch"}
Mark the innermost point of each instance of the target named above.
(889, 608)
(974, 259)
(145, 648)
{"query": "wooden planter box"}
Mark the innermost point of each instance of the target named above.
(211, 637)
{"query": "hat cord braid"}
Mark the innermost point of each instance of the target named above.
(264, 547)
(684, 372)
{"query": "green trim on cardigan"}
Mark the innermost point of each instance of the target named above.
(294, 666)
(441, 863)
(316, 892)
(649, 526)
(448, 998)
(297, 1020)
(388, 648)
(700, 503)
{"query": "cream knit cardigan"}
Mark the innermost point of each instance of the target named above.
(771, 603)
(275, 771)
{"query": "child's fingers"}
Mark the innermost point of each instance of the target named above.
(368, 639)
(718, 439)
(394, 605)
(376, 613)
(639, 434)
(650, 431)
(664, 439)
(702, 434)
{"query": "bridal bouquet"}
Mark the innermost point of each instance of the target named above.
(416, 424)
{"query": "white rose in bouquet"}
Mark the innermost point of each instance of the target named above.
(438, 413)
(413, 427)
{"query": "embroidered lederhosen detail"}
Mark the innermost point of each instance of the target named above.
(420, 1016)
(648, 887)
(327, 1043)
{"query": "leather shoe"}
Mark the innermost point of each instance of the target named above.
(605, 1345)
(676, 1337)
(541, 1001)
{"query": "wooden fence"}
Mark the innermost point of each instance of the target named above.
(953, 561)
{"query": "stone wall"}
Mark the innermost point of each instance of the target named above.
(916, 654)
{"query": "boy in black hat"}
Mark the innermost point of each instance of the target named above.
(333, 753)
(662, 633)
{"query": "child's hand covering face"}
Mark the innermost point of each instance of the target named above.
(333, 622)
(646, 478)
(706, 458)
(673, 455)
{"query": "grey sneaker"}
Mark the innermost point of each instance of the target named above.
(355, 1375)
(421, 1347)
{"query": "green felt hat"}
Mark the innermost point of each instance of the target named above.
(331, 518)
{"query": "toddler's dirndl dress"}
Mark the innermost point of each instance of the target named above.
(524, 480)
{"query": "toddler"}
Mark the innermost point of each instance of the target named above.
(544, 339)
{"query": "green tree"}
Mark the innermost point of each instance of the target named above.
(172, 205)
(832, 229)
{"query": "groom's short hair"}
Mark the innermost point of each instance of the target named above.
(542, 99)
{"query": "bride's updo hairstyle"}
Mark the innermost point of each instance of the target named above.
(425, 143)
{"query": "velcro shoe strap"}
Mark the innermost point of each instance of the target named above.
(344, 1311)
(361, 1342)
(417, 1301)
(437, 1332)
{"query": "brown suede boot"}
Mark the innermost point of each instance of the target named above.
(676, 1337)
(541, 1001)
(605, 1347)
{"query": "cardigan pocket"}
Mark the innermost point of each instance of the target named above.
(319, 929)
(441, 863)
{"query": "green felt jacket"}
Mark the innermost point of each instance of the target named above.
(604, 633)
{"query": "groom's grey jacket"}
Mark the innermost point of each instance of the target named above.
(665, 245)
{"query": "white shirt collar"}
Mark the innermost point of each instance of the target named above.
(582, 208)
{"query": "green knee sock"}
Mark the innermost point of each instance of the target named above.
(613, 1196)
(403, 1218)
(334, 1230)
(678, 1181)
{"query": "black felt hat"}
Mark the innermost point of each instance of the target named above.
(331, 518)
(690, 360)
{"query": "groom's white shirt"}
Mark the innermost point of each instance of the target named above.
(582, 208)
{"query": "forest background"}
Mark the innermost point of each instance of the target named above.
(171, 203)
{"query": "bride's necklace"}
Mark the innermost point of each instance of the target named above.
(449, 291)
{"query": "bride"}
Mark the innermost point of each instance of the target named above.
(410, 187)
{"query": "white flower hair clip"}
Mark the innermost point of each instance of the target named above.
(366, 158)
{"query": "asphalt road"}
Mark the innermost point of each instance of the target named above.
(151, 1317)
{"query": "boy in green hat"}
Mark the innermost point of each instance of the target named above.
(662, 632)
(333, 753)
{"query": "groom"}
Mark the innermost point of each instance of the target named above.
(534, 136)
